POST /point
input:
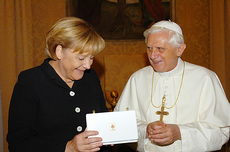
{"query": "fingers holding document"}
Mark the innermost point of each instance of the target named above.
(82, 142)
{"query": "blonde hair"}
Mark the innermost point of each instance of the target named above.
(73, 33)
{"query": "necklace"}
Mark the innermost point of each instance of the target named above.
(69, 81)
(164, 99)
(162, 112)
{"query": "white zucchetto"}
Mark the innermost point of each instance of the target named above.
(166, 24)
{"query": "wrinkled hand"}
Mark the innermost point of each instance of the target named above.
(82, 142)
(163, 134)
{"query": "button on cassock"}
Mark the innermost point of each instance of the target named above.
(71, 93)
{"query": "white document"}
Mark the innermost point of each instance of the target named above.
(114, 127)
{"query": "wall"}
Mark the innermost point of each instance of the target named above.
(194, 22)
(117, 47)
(45, 14)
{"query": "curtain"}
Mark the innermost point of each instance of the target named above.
(16, 48)
(1, 125)
(220, 41)
(227, 43)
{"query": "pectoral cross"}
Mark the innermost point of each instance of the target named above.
(162, 112)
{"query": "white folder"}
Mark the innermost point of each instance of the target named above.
(114, 127)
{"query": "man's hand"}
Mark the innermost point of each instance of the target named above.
(163, 134)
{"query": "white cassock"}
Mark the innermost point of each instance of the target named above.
(201, 112)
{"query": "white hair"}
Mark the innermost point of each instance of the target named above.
(175, 40)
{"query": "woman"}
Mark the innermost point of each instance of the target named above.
(49, 102)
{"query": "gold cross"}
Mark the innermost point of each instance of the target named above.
(162, 112)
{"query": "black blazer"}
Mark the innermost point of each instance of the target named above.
(45, 113)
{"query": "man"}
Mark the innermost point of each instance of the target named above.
(179, 106)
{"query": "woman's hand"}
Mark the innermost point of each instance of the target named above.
(82, 142)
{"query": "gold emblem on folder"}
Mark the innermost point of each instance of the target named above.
(112, 127)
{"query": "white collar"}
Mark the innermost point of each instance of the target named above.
(174, 71)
